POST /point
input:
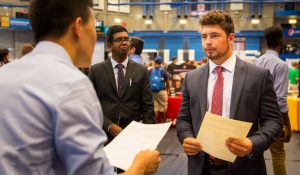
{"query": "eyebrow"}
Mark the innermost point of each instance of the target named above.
(210, 33)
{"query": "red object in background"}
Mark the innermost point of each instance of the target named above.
(124, 24)
(174, 103)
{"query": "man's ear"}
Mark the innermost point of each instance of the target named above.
(231, 38)
(109, 46)
(77, 26)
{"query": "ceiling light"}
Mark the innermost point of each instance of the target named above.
(255, 21)
(182, 21)
(148, 21)
(292, 21)
(117, 20)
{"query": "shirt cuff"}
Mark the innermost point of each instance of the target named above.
(109, 128)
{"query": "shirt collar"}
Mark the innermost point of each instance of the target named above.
(272, 52)
(114, 63)
(229, 64)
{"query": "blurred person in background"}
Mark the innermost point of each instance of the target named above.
(136, 49)
(171, 66)
(294, 76)
(279, 71)
(26, 48)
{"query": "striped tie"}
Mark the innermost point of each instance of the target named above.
(121, 78)
(217, 98)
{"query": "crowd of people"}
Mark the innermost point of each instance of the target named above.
(58, 120)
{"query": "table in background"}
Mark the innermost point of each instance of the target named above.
(294, 113)
(174, 103)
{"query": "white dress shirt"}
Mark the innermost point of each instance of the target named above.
(228, 72)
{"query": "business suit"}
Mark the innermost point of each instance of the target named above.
(252, 100)
(134, 103)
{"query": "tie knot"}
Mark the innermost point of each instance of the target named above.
(219, 69)
(119, 66)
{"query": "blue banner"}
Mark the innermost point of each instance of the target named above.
(293, 32)
(19, 23)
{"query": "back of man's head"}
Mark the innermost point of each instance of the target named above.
(26, 48)
(138, 44)
(2, 55)
(274, 36)
(174, 59)
(52, 18)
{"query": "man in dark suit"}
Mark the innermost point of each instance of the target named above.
(134, 100)
(247, 95)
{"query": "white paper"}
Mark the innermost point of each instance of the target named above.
(133, 139)
(215, 130)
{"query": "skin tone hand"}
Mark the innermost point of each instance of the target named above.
(238, 147)
(144, 163)
(287, 135)
(114, 130)
(191, 146)
(287, 126)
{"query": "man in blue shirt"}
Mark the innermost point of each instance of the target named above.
(136, 48)
(279, 70)
(52, 122)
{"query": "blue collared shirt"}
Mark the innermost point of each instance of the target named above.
(279, 70)
(137, 58)
(50, 117)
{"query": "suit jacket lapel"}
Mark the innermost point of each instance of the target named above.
(202, 84)
(237, 86)
(110, 73)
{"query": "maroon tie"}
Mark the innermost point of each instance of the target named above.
(217, 98)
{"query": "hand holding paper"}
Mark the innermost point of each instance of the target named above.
(134, 138)
(214, 132)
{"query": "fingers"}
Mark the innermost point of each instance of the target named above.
(191, 146)
(239, 147)
(287, 136)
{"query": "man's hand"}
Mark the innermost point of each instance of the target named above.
(287, 135)
(191, 146)
(114, 130)
(144, 163)
(238, 147)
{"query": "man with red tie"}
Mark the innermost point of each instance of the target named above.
(233, 89)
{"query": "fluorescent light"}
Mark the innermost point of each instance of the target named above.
(255, 21)
(182, 21)
(148, 21)
(292, 21)
(118, 20)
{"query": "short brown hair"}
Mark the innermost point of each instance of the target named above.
(218, 17)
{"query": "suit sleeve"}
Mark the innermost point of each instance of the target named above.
(184, 120)
(106, 121)
(147, 100)
(270, 117)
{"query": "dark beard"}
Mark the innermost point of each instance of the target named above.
(209, 56)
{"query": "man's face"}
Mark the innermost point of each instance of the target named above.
(120, 45)
(215, 43)
(177, 83)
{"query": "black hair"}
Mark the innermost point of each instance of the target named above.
(53, 17)
(114, 29)
(274, 36)
(138, 44)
